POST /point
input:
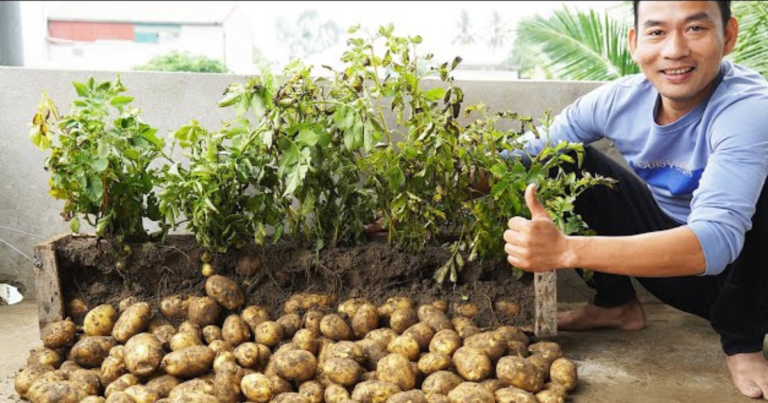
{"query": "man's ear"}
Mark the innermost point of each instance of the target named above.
(632, 42)
(731, 35)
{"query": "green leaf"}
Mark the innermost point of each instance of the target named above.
(434, 94)
(307, 137)
(103, 223)
(74, 225)
(121, 101)
(100, 164)
(81, 89)
(396, 177)
(132, 154)
(499, 170)
(94, 191)
(149, 134)
(230, 99)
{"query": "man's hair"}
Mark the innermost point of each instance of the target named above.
(725, 11)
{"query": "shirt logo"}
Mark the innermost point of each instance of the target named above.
(675, 176)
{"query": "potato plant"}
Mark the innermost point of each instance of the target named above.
(309, 354)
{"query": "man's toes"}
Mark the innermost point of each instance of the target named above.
(749, 388)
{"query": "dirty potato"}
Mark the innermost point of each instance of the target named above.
(541, 363)
(164, 334)
(511, 333)
(189, 362)
(374, 391)
(350, 307)
(225, 292)
(312, 391)
(394, 303)
(396, 369)
(472, 363)
(549, 396)
(56, 392)
(548, 349)
(163, 385)
(430, 363)
(45, 356)
(365, 320)
(411, 396)
(305, 340)
(200, 386)
(464, 326)
(120, 397)
(422, 333)
(100, 321)
(141, 394)
(335, 394)
(466, 309)
(247, 355)
(253, 315)
(563, 371)
(295, 365)
(235, 330)
(470, 392)
(121, 384)
(87, 380)
(335, 328)
(269, 333)
(67, 367)
(404, 346)
(93, 399)
(91, 351)
(382, 336)
(490, 343)
(59, 334)
(132, 321)
(434, 317)
(112, 368)
(517, 372)
(189, 327)
(175, 307)
(437, 398)
(28, 376)
(220, 345)
(211, 333)
(446, 341)
(204, 311)
(342, 371)
(302, 302)
(226, 384)
(514, 395)
(290, 397)
(257, 387)
(182, 340)
(517, 348)
(143, 354)
(291, 323)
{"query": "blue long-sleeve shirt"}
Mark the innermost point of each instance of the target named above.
(705, 170)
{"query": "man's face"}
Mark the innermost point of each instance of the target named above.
(679, 46)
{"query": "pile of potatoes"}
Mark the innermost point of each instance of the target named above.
(395, 353)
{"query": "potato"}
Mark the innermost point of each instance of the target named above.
(189, 327)
(346, 349)
(235, 331)
(437, 398)
(311, 321)
(402, 319)
(492, 384)
(563, 371)
(433, 362)
(394, 303)
(470, 392)
(163, 385)
(290, 397)
(511, 333)
(506, 308)
(143, 354)
(194, 398)
(541, 363)
(175, 307)
(404, 346)
(549, 396)
(253, 315)
(516, 348)
(464, 326)
(45, 356)
(396, 368)
(58, 392)
(466, 309)
(471, 363)
(517, 372)
(268, 333)
(422, 333)
(434, 317)
(411, 396)
(257, 387)
(374, 391)
(76, 309)
(548, 349)
(220, 345)
(93, 399)
(349, 308)
(280, 385)
(121, 384)
(182, 340)
(120, 397)
(111, 369)
(164, 334)
(295, 365)
(188, 362)
(212, 332)
(291, 323)
(59, 334)
(67, 367)
(247, 355)
(382, 336)
(91, 351)
(312, 390)
(224, 291)
(335, 328)
(141, 394)
(204, 311)
(514, 395)
(226, 384)
(446, 341)
(305, 340)
(198, 386)
(490, 343)
(342, 371)
(365, 320)
(100, 321)
(156, 323)
(28, 376)
(221, 358)
(265, 355)
(87, 380)
(126, 303)
(335, 394)
(248, 265)
(303, 302)
(557, 388)
(132, 322)
(45, 378)
(373, 353)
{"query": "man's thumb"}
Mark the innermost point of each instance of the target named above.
(537, 209)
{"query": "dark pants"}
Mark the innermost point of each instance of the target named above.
(735, 301)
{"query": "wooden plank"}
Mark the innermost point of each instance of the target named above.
(50, 304)
(545, 290)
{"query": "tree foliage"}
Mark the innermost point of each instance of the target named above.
(183, 61)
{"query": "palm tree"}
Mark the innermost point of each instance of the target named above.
(752, 46)
(576, 45)
(499, 31)
(465, 35)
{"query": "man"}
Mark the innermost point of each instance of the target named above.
(695, 129)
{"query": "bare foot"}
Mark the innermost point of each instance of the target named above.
(629, 316)
(750, 373)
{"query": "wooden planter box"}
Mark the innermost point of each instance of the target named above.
(52, 300)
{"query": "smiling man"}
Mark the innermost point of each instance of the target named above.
(694, 229)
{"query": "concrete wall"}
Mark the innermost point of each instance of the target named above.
(11, 51)
(168, 100)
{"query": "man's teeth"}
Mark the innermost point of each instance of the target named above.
(678, 71)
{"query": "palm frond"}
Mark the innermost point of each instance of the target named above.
(580, 45)
(752, 45)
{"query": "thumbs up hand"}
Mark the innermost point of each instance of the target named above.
(536, 244)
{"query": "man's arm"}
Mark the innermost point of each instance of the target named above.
(538, 245)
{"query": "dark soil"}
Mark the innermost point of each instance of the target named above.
(89, 271)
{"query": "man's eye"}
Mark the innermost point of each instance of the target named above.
(655, 33)
(696, 28)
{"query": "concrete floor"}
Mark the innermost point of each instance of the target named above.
(677, 358)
